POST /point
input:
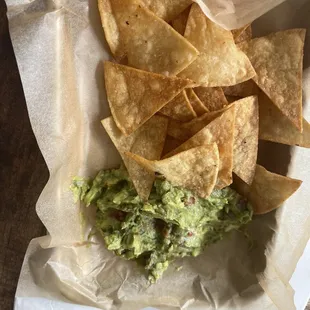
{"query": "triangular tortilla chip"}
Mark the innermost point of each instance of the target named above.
(135, 95)
(277, 59)
(220, 131)
(179, 108)
(245, 35)
(147, 41)
(274, 126)
(147, 141)
(170, 144)
(246, 138)
(220, 62)
(213, 98)
(196, 103)
(237, 32)
(242, 34)
(244, 89)
(195, 169)
(268, 191)
(179, 23)
(167, 9)
(183, 131)
(232, 99)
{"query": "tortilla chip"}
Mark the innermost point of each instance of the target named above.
(245, 89)
(213, 98)
(268, 190)
(275, 127)
(196, 103)
(134, 32)
(237, 32)
(176, 130)
(135, 95)
(170, 144)
(195, 169)
(219, 131)
(183, 131)
(220, 62)
(242, 34)
(147, 141)
(179, 23)
(277, 59)
(232, 99)
(179, 108)
(167, 9)
(246, 138)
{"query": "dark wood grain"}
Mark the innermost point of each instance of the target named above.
(23, 172)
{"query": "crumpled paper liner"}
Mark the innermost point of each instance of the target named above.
(233, 14)
(59, 47)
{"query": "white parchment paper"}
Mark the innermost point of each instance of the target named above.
(59, 46)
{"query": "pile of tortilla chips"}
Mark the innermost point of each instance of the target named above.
(190, 100)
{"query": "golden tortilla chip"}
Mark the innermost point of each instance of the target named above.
(246, 138)
(135, 95)
(213, 98)
(170, 144)
(147, 41)
(179, 108)
(147, 141)
(268, 191)
(179, 23)
(244, 89)
(220, 62)
(167, 9)
(277, 59)
(274, 126)
(195, 169)
(183, 131)
(242, 34)
(196, 103)
(219, 131)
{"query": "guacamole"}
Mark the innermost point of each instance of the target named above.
(173, 223)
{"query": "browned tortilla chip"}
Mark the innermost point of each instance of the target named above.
(220, 131)
(147, 141)
(232, 99)
(244, 89)
(242, 34)
(237, 32)
(277, 59)
(213, 98)
(245, 35)
(179, 108)
(274, 126)
(170, 144)
(246, 138)
(183, 131)
(268, 190)
(147, 41)
(135, 95)
(196, 103)
(167, 9)
(220, 62)
(195, 169)
(179, 23)
(177, 131)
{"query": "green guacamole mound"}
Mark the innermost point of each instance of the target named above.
(173, 223)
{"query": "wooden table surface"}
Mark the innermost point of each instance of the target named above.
(23, 172)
